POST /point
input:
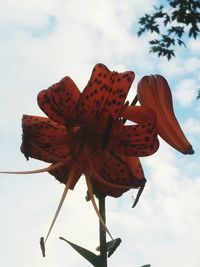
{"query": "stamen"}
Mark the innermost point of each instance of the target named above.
(42, 245)
(52, 167)
(69, 181)
(91, 195)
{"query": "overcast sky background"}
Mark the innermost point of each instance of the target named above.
(43, 41)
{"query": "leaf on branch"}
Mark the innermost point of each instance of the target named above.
(140, 32)
(87, 254)
(166, 19)
(112, 246)
(161, 51)
(149, 24)
(154, 42)
(167, 41)
(177, 30)
(180, 42)
(198, 96)
(193, 32)
(180, 18)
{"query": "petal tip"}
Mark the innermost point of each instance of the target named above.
(190, 151)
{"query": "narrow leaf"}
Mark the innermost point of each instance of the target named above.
(198, 96)
(87, 254)
(111, 246)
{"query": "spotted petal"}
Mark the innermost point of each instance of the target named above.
(114, 174)
(59, 102)
(135, 140)
(103, 97)
(44, 139)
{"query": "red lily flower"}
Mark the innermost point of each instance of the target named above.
(85, 134)
(86, 130)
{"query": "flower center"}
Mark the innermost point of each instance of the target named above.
(83, 143)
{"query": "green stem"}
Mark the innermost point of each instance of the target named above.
(102, 232)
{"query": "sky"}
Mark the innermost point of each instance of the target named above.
(40, 43)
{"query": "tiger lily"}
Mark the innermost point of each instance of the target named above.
(85, 133)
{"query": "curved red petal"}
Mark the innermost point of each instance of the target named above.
(44, 139)
(106, 188)
(135, 166)
(59, 102)
(103, 97)
(154, 92)
(138, 114)
(135, 140)
(113, 174)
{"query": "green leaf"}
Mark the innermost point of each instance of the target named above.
(198, 96)
(180, 42)
(87, 254)
(112, 246)
(186, 16)
(146, 265)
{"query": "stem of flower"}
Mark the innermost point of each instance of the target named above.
(102, 232)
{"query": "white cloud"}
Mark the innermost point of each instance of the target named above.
(192, 65)
(194, 45)
(186, 91)
(192, 126)
(170, 69)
